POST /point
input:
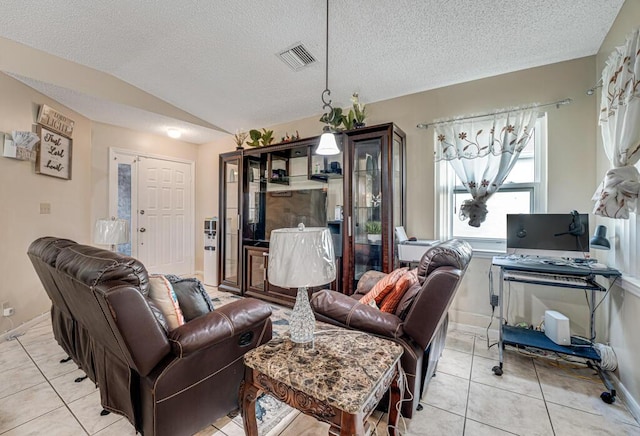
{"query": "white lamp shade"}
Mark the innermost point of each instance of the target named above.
(300, 258)
(111, 231)
(328, 145)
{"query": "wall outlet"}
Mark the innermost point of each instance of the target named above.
(7, 310)
(494, 300)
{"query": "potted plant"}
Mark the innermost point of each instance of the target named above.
(266, 137)
(260, 139)
(255, 136)
(239, 138)
(349, 120)
(334, 118)
(358, 111)
(374, 231)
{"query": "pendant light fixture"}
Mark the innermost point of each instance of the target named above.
(328, 145)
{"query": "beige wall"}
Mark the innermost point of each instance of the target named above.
(22, 191)
(624, 320)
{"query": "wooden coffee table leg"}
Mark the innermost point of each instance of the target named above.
(351, 424)
(394, 403)
(248, 395)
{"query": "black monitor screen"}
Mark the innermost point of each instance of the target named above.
(558, 232)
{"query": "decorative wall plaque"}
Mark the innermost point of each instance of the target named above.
(53, 157)
(55, 121)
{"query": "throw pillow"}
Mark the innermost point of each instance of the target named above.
(383, 287)
(390, 302)
(407, 300)
(192, 297)
(162, 294)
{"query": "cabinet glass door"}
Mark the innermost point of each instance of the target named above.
(367, 206)
(231, 221)
(397, 182)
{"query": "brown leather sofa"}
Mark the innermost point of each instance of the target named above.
(165, 383)
(419, 324)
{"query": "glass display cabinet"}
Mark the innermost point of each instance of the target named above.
(229, 259)
(375, 196)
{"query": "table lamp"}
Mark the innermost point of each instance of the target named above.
(111, 231)
(299, 258)
(599, 239)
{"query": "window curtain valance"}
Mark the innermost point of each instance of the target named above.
(617, 195)
(482, 152)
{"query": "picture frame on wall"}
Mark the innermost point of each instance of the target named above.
(52, 119)
(54, 154)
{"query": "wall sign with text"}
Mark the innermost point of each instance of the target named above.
(53, 119)
(54, 154)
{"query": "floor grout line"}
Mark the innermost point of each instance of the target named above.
(546, 406)
(466, 406)
(54, 389)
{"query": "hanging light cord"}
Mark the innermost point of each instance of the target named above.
(327, 93)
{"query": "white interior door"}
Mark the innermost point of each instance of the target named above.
(156, 196)
(165, 216)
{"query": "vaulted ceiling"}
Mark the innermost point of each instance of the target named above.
(210, 67)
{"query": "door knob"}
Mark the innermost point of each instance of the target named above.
(142, 230)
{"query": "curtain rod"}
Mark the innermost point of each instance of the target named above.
(557, 104)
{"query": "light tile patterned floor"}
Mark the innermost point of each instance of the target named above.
(38, 395)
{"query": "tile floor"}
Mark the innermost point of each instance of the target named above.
(535, 396)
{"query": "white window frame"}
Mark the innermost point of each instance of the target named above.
(445, 188)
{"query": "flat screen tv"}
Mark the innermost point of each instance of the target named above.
(568, 232)
(290, 208)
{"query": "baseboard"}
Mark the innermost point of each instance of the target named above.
(625, 395)
(473, 322)
(480, 331)
(19, 331)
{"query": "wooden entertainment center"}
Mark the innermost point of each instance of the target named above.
(280, 185)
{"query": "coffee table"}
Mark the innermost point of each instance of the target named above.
(339, 381)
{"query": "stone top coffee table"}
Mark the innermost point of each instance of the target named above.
(339, 381)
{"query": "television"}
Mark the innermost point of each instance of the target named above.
(565, 235)
(290, 208)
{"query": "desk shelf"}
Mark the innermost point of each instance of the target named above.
(581, 284)
(517, 336)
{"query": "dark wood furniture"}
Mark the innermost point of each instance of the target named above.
(374, 192)
(263, 188)
(339, 381)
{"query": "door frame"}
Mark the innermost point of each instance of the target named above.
(113, 193)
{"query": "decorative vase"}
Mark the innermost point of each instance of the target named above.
(359, 125)
(374, 237)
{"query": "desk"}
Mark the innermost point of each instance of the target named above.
(339, 381)
(559, 273)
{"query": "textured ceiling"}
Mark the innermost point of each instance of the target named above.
(216, 60)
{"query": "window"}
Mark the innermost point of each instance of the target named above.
(524, 191)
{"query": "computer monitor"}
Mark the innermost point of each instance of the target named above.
(562, 234)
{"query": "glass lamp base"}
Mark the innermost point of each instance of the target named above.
(302, 322)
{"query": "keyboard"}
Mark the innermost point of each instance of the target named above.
(552, 279)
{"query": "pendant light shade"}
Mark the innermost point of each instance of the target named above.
(328, 145)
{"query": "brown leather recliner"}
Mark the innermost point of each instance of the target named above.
(165, 383)
(420, 322)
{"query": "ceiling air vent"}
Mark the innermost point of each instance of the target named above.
(297, 57)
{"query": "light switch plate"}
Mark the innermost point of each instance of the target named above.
(45, 208)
